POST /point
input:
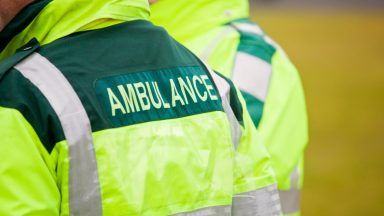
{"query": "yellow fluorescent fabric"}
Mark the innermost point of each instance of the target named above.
(283, 127)
(28, 180)
(213, 45)
(198, 25)
(138, 163)
(253, 168)
(284, 123)
(193, 154)
(60, 157)
(63, 17)
(186, 19)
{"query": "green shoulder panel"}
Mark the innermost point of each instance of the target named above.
(253, 40)
(256, 45)
(132, 73)
(19, 93)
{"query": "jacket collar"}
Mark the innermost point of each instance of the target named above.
(21, 21)
(49, 20)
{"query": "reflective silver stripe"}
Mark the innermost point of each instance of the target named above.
(84, 188)
(247, 27)
(207, 52)
(290, 199)
(261, 202)
(210, 211)
(252, 75)
(224, 91)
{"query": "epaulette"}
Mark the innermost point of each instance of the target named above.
(20, 55)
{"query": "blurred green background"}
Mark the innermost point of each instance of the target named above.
(339, 50)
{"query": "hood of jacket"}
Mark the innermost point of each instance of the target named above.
(185, 19)
(49, 20)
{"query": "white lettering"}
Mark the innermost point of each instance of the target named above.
(196, 79)
(189, 88)
(155, 104)
(165, 104)
(175, 94)
(143, 97)
(115, 103)
(129, 98)
(209, 87)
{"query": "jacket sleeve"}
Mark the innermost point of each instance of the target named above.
(255, 190)
(284, 124)
(27, 174)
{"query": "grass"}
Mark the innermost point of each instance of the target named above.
(341, 58)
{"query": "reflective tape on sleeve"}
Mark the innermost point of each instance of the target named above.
(252, 75)
(261, 202)
(290, 199)
(84, 187)
(210, 211)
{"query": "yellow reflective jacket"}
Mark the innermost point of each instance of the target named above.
(108, 115)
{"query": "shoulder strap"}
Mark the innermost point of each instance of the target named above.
(21, 54)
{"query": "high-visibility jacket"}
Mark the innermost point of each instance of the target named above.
(108, 115)
(222, 35)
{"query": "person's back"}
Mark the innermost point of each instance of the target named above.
(221, 33)
(118, 119)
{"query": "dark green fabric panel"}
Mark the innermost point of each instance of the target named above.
(157, 95)
(21, 21)
(19, 93)
(21, 54)
(129, 47)
(252, 43)
(234, 100)
(255, 45)
(255, 107)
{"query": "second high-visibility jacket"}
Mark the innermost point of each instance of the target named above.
(108, 115)
(222, 35)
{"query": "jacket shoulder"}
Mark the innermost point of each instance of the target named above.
(254, 41)
(20, 55)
